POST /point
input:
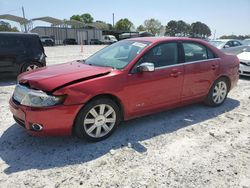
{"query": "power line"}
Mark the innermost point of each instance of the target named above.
(14, 10)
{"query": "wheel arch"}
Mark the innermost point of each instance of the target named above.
(112, 97)
(99, 96)
(29, 62)
(227, 79)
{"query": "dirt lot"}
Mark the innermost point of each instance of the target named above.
(193, 146)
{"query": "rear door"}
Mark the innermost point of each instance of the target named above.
(201, 68)
(149, 91)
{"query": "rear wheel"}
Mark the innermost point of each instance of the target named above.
(30, 66)
(218, 92)
(97, 120)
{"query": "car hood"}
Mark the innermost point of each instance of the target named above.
(52, 77)
(244, 56)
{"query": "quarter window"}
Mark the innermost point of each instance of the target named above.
(162, 55)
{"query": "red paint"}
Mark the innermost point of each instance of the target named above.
(139, 94)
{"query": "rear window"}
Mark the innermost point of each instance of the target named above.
(197, 52)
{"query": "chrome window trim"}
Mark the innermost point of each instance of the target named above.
(186, 63)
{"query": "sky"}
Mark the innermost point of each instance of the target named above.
(225, 16)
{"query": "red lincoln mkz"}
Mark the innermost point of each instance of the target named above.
(128, 79)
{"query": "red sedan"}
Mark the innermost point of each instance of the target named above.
(128, 79)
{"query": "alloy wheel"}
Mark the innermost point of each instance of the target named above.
(220, 92)
(100, 120)
(31, 67)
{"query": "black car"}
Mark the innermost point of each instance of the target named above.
(20, 52)
(69, 41)
(95, 42)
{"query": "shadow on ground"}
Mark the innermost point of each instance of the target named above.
(7, 81)
(245, 78)
(23, 152)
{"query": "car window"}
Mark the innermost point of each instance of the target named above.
(236, 43)
(194, 52)
(162, 55)
(230, 44)
(210, 54)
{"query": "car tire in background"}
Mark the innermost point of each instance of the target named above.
(97, 120)
(218, 92)
(30, 66)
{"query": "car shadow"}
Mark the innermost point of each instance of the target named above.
(21, 151)
(7, 81)
(245, 77)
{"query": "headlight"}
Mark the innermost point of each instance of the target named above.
(35, 98)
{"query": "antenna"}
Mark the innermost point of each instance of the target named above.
(214, 33)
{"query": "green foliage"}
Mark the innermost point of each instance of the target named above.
(85, 18)
(183, 29)
(124, 25)
(153, 26)
(239, 37)
(140, 28)
(200, 30)
(5, 26)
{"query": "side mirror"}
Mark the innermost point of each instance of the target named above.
(146, 67)
(226, 46)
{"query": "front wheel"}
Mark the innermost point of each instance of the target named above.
(30, 66)
(97, 120)
(218, 93)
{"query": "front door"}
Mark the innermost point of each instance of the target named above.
(150, 91)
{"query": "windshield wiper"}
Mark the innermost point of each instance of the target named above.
(81, 61)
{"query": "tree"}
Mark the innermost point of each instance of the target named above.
(124, 25)
(200, 30)
(177, 28)
(85, 18)
(140, 28)
(183, 28)
(76, 17)
(153, 26)
(239, 37)
(171, 28)
(5, 26)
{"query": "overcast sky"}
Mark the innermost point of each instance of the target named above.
(224, 16)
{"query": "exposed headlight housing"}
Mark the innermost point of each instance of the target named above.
(35, 98)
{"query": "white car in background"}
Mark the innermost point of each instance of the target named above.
(108, 39)
(246, 42)
(244, 58)
(229, 46)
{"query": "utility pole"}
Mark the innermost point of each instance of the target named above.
(113, 20)
(25, 26)
(214, 33)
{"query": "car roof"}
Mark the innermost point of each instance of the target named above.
(18, 33)
(165, 39)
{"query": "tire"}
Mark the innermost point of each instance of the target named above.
(97, 120)
(30, 66)
(218, 93)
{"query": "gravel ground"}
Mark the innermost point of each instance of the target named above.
(192, 146)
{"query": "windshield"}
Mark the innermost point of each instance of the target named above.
(216, 43)
(117, 55)
(112, 37)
